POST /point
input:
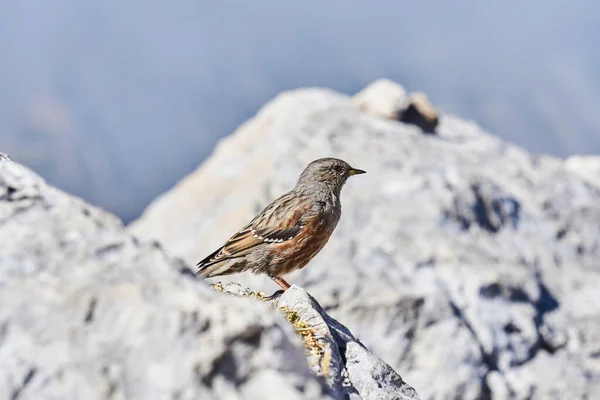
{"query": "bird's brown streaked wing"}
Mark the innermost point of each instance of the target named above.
(282, 220)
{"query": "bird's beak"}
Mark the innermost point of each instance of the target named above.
(354, 171)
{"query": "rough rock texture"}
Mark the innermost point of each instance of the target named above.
(350, 369)
(468, 265)
(89, 313)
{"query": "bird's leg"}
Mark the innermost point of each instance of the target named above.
(281, 282)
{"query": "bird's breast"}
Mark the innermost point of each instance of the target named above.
(296, 253)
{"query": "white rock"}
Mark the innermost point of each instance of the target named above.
(586, 167)
(348, 367)
(382, 98)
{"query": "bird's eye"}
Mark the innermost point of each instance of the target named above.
(338, 168)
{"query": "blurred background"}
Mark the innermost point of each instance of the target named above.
(115, 101)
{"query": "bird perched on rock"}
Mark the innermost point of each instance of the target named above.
(290, 231)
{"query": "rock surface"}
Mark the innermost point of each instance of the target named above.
(87, 312)
(587, 167)
(468, 265)
(383, 98)
(386, 99)
(349, 368)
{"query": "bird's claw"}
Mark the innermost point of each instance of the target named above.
(274, 296)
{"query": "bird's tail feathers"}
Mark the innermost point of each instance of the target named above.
(216, 269)
(215, 266)
(206, 266)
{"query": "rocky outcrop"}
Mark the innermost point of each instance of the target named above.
(87, 312)
(349, 368)
(467, 264)
(383, 98)
(386, 99)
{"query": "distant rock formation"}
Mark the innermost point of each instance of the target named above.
(89, 312)
(468, 265)
(384, 98)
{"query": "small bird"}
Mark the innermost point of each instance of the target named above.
(290, 231)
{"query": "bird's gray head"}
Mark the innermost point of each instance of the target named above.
(329, 171)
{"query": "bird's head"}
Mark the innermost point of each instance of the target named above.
(330, 171)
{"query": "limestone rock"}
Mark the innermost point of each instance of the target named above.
(586, 167)
(466, 264)
(387, 99)
(87, 312)
(383, 98)
(349, 368)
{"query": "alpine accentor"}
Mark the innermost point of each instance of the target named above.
(290, 231)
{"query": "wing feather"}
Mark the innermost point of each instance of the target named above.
(280, 221)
